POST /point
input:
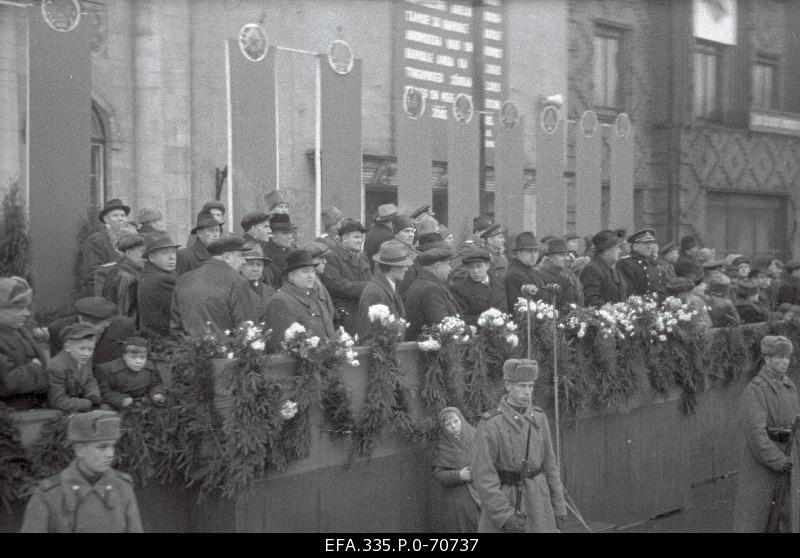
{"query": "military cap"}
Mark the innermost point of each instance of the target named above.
(473, 254)
(148, 215)
(481, 223)
(791, 265)
(430, 257)
(557, 246)
(746, 287)
(317, 249)
(492, 231)
(430, 241)
(520, 370)
(740, 260)
(156, 240)
(280, 222)
(94, 426)
(386, 212)
(525, 241)
(130, 241)
(688, 242)
(393, 252)
(15, 292)
(253, 251)
(331, 216)
(426, 225)
(400, 222)
(351, 225)
(252, 219)
(298, 259)
(667, 248)
(226, 244)
(605, 240)
(138, 342)
(644, 236)
(776, 345)
(679, 285)
(422, 210)
(111, 205)
(77, 331)
(205, 221)
(274, 199)
(214, 204)
(96, 307)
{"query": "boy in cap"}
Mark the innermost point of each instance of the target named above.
(501, 436)
(89, 496)
(130, 378)
(767, 409)
(72, 385)
(477, 292)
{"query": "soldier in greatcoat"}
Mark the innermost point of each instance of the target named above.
(639, 268)
(380, 232)
(497, 468)
(392, 262)
(207, 230)
(478, 291)
(602, 281)
(100, 247)
(429, 299)
(154, 295)
(253, 270)
(767, 409)
(522, 274)
(89, 496)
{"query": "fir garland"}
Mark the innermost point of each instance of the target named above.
(15, 245)
(14, 464)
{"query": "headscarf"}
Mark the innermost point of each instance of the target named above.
(456, 452)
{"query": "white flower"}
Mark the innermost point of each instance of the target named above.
(230, 355)
(288, 409)
(429, 345)
(354, 362)
(258, 345)
(662, 337)
(378, 312)
(512, 340)
(293, 330)
(313, 342)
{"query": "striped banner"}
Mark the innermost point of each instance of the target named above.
(463, 167)
(588, 178)
(621, 170)
(509, 176)
(414, 159)
(551, 191)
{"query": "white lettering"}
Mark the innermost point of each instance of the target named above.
(488, 134)
(455, 26)
(438, 5)
(448, 97)
(444, 60)
(452, 44)
(438, 111)
(426, 38)
(424, 75)
(434, 95)
(488, 119)
(493, 34)
(460, 81)
(421, 55)
(467, 46)
(489, 144)
(492, 104)
(492, 17)
(463, 63)
(458, 9)
(493, 69)
(493, 86)
(493, 52)
(493, 3)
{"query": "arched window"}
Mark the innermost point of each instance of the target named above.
(97, 173)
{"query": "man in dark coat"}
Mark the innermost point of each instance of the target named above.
(553, 271)
(297, 301)
(279, 247)
(347, 272)
(111, 329)
(253, 271)
(99, 247)
(257, 231)
(767, 409)
(23, 381)
(194, 256)
(478, 291)
(118, 281)
(717, 297)
(216, 209)
(213, 296)
(602, 282)
(425, 242)
(521, 271)
(667, 256)
(157, 282)
(332, 219)
(639, 268)
(380, 232)
(789, 286)
(392, 262)
(687, 264)
(429, 299)
(749, 307)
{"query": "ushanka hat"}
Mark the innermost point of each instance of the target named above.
(274, 199)
(393, 252)
(430, 257)
(520, 370)
(776, 345)
(15, 292)
(111, 205)
(94, 426)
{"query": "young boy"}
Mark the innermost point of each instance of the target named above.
(131, 377)
(73, 387)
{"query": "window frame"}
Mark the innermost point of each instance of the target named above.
(608, 32)
(708, 48)
(772, 62)
(98, 152)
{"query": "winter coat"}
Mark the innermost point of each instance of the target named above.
(722, 311)
(212, 294)
(260, 295)
(118, 282)
(753, 312)
(667, 270)
(292, 304)
(117, 381)
(474, 298)
(500, 445)
(688, 266)
(68, 503)
(769, 400)
(377, 291)
(346, 274)
(788, 291)
(641, 274)
(191, 258)
(23, 384)
(546, 275)
(154, 297)
(519, 274)
(602, 284)
(109, 344)
(428, 301)
(72, 388)
(266, 277)
(376, 236)
(277, 255)
(97, 250)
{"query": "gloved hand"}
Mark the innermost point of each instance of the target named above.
(516, 524)
(787, 467)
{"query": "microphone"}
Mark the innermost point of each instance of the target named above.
(528, 290)
(552, 288)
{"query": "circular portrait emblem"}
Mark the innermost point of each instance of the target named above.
(340, 57)
(509, 115)
(253, 42)
(462, 108)
(413, 101)
(623, 124)
(589, 123)
(549, 119)
(61, 15)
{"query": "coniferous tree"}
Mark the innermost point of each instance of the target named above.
(15, 244)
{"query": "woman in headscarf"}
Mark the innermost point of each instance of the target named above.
(454, 453)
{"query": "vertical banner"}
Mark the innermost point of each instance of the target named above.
(620, 213)
(414, 160)
(252, 124)
(551, 191)
(588, 174)
(463, 166)
(340, 131)
(509, 170)
(59, 133)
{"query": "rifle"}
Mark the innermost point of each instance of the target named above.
(523, 474)
(782, 488)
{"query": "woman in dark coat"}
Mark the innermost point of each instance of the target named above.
(451, 468)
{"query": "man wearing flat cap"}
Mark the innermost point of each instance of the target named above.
(522, 274)
(602, 282)
(100, 247)
(213, 297)
(392, 263)
(207, 230)
(89, 496)
(687, 264)
(253, 270)
(23, 380)
(257, 230)
(110, 328)
(500, 441)
(429, 299)
(149, 220)
(767, 409)
(118, 281)
(347, 272)
(639, 268)
(380, 232)
(478, 291)
(280, 245)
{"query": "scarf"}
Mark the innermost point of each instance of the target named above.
(454, 452)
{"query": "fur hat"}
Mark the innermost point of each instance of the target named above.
(429, 241)
(94, 426)
(274, 199)
(688, 242)
(15, 292)
(226, 244)
(605, 240)
(430, 257)
(520, 370)
(426, 224)
(330, 217)
(776, 345)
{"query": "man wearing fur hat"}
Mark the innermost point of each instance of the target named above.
(276, 203)
(89, 496)
(602, 282)
(500, 440)
(767, 409)
(429, 299)
(23, 380)
(99, 247)
(380, 232)
(639, 268)
(687, 264)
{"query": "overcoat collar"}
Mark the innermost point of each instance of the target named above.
(75, 488)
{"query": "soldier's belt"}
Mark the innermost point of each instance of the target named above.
(513, 477)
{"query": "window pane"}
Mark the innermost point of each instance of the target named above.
(612, 69)
(768, 87)
(711, 86)
(756, 76)
(699, 87)
(599, 71)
